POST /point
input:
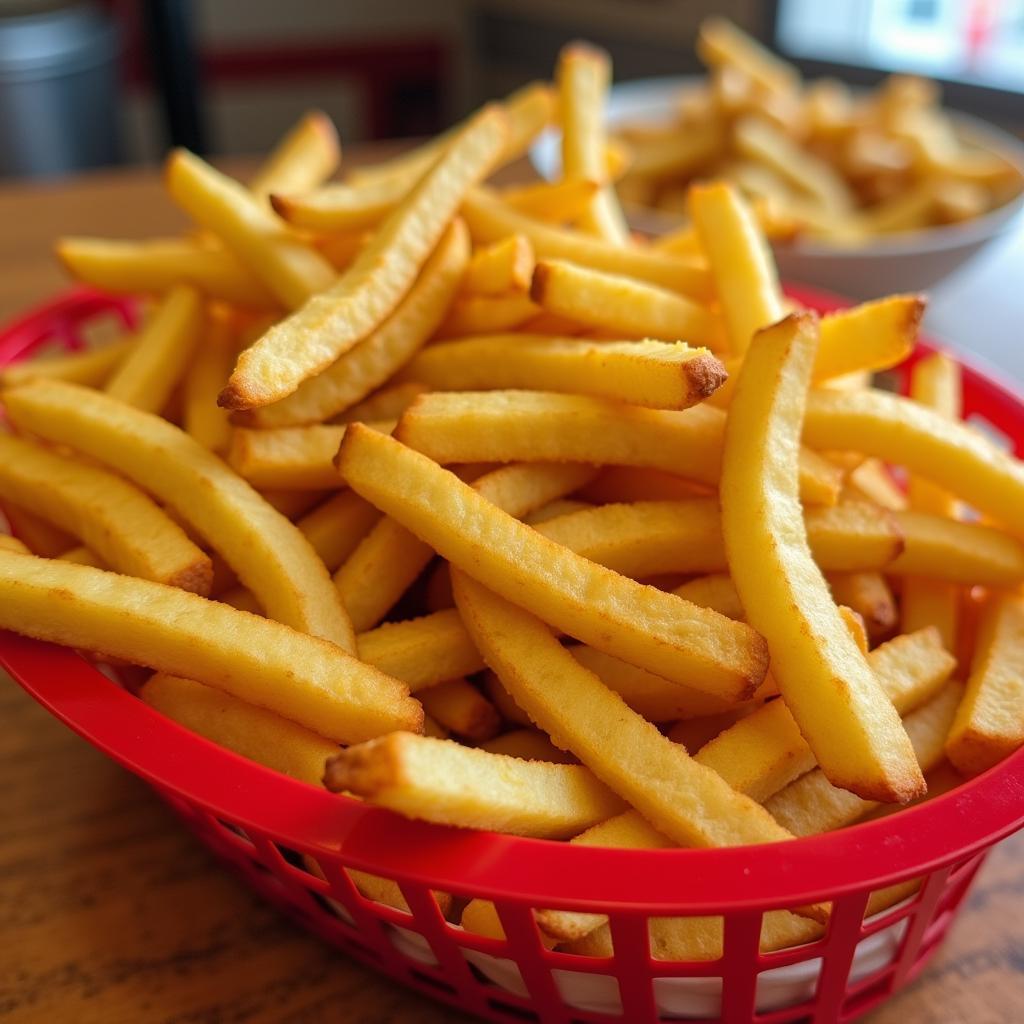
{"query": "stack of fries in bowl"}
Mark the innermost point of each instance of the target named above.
(860, 191)
(468, 504)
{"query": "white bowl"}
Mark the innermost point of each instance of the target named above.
(905, 262)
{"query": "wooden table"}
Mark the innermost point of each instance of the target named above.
(110, 913)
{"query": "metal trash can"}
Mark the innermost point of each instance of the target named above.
(58, 88)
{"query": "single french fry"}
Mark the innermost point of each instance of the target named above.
(558, 202)
(658, 374)
(868, 594)
(989, 723)
(765, 751)
(742, 264)
(500, 697)
(386, 404)
(329, 324)
(527, 744)
(717, 591)
(163, 349)
(307, 156)
(422, 652)
(336, 526)
(127, 529)
(681, 799)
(249, 730)
(843, 713)
(337, 208)
(39, 536)
(490, 220)
(721, 44)
(487, 314)
(505, 266)
(582, 75)
(506, 426)
(270, 556)
(91, 367)
(553, 509)
(158, 265)
(304, 678)
(949, 454)
(202, 418)
(872, 480)
(390, 557)
(447, 783)
(812, 804)
(617, 303)
(290, 458)
(372, 361)
(462, 709)
(654, 630)
(676, 154)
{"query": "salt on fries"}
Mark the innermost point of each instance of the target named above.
(585, 497)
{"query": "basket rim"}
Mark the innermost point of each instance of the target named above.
(179, 763)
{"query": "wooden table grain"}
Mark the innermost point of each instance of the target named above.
(110, 913)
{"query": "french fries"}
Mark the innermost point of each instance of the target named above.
(91, 367)
(307, 156)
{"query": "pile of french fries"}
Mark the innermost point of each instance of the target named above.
(471, 505)
(828, 163)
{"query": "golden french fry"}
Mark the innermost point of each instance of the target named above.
(684, 801)
(721, 44)
(460, 708)
(871, 479)
(162, 351)
(528, 745)
(128, 530)
(386, 404)
(742, 265)
(422, 652)
(201, 417)
(812, 804)
(582, 75)
(337, 208)
(285, 263)
(676, 153)
(160, 264)
(844, 715)
(91, 367)
(267, 552)
(989, 723)
(659, 631)
(389, 558)
(716, 591)
(247, 729)
(487, 314)
(303, 678)
(505, 266)
(868, 594)
(617, 303)
(653, 373)
(307, 156)
(445, 782)
(329, 324)
(506, 426)
(490, 220)
(39, 536)
(559, 202)
(336, 526)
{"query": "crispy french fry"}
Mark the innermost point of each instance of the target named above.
(285, 263)
(251, 731)
(460, 708)
(504, 266)
(742, 265)
(38, 535)
(444, 782)
(527, 744)
(899, 430)
(307, 156)
(386, 404)
(490, 220)
(716, 591)
(422, 652)
(388, 560)
(91, 367)
(201, 417)
(160, 264)
(845, 717)
(487, 314)
(127, 529)
(868, 594)
(304, 678)
(290, 458)
(872, 480)
(505, 426)
(989, 723)
(582, 75)
(617, 303)
(652, 373)
(559, 202)
(553, 509)
(374, 359)
(329, 324)
(686, 802)
(341, 207)
(336, 526)
(812, 804)
(163, 349)
(660, 631)
(267, 552)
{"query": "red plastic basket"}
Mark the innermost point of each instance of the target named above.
(264, 824)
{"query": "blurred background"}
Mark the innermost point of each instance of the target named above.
(86, 85)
